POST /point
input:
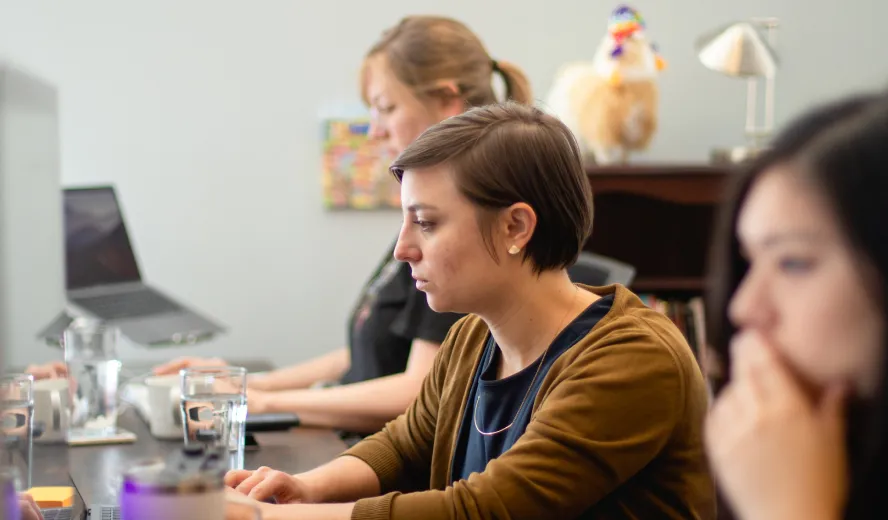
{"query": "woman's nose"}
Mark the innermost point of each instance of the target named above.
(405, 250)
(751, 306)
(376, 131)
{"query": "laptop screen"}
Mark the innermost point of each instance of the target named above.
(97, 247)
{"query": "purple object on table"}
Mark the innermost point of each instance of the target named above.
(11, 507)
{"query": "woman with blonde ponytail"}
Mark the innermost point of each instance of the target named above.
(426, 69)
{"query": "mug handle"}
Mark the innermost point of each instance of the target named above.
(177, 410)
(55, 399)
(55, 404)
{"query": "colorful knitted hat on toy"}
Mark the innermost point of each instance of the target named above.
(624, 22)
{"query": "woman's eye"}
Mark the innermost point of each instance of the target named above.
(424, 225)
(796, 265)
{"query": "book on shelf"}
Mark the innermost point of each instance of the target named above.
(688, 315)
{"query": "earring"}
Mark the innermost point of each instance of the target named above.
(514, 250)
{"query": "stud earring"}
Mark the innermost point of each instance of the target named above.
(514, 250)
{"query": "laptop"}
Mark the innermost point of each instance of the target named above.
(103, 278)
(99, 501)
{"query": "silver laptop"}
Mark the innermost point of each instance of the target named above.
(100, 502)
(103, 279)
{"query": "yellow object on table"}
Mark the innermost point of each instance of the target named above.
(52, 496)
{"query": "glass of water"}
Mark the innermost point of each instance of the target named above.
(17, 427)
(214, 409)
(93, 373)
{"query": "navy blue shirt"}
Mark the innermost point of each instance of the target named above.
(494, 403)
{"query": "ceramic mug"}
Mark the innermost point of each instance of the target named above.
(164, 407)
(51, 411)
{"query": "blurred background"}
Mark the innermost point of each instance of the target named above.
(206, 117)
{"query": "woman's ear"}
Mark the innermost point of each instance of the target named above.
(518, 223)
(448, 102)
(453, 106)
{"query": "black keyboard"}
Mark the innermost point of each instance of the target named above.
(142, 302)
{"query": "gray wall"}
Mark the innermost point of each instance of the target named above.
(205, 115)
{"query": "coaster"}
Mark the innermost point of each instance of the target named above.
(95, 437)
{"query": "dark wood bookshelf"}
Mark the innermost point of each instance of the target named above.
(654, 284)
(658, 218)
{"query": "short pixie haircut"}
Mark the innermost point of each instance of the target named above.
(506, 153)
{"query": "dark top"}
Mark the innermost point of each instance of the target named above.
(390, 314)
(500, 399)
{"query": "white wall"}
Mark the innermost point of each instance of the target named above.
(205, 115)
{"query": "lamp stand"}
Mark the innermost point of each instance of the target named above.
(756, 135)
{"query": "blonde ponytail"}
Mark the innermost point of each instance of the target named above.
(517, 85)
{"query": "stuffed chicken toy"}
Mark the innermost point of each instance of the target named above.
(611, 103)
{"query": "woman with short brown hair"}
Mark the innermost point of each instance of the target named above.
(550, 399)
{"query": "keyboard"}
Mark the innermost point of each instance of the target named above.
(142, 302)
(67, 513)
(104, 513)
(58, 513)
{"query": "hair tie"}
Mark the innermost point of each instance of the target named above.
(494, 66)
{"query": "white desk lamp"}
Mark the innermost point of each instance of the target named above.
(740, 50)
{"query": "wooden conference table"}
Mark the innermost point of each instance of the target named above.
(293, 451)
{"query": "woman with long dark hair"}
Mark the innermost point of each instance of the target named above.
(797, 313)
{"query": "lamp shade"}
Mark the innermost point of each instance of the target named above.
(737, 49)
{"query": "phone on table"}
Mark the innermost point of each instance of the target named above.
(250, 442)
(270, 422)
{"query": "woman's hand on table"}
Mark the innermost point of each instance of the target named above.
(265, 484)
(29, 508)
(174, 366)
(257, 400)
(241, 507)
(53, 370)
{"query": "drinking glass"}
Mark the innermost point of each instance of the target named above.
(214, 409)
(93, 374)
(17, 426)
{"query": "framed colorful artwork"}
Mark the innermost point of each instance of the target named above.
(355, 170)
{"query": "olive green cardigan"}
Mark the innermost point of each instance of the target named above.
(615, 432)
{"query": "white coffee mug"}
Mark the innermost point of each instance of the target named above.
(164, 408)
(51, 410)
